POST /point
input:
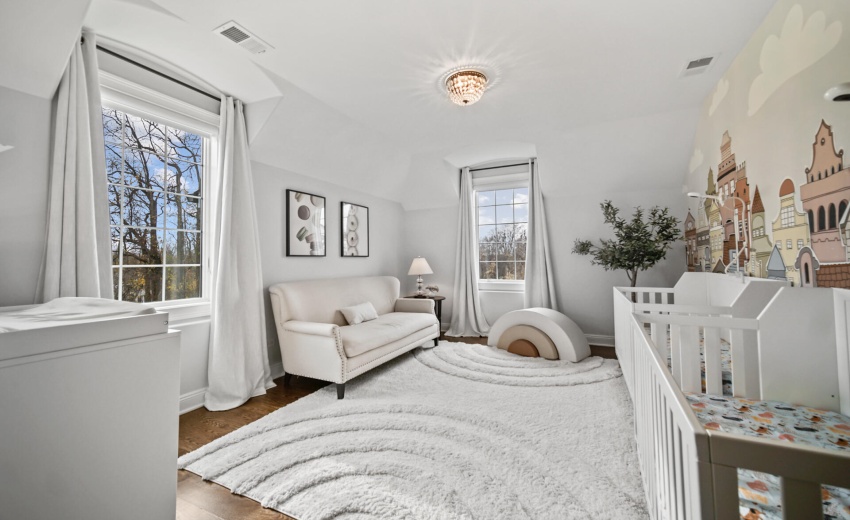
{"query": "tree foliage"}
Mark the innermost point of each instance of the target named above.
(638, 244)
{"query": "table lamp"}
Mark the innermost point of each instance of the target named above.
(419, 267)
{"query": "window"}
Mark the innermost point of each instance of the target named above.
(155, 175)
(778, 244)
(832, 218)
(811, 221)
(502, 233)
(787, 216)
(821, 219)
(788, 244)
(800, 243)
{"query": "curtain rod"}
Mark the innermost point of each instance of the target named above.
(158, 73)
(502, 166)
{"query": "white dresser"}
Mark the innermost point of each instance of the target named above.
(88, 420)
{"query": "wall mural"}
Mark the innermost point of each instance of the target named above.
(778, 168)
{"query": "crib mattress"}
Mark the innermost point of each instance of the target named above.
(760, 493)
(67, 323)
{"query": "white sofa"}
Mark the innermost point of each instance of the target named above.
(316, 342)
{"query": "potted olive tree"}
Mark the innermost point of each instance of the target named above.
(638, 244)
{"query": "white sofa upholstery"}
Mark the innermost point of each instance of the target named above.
(316, 342)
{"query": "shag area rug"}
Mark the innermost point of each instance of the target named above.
(455, 432)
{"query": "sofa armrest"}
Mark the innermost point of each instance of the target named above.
(414, 305)
(330, 330)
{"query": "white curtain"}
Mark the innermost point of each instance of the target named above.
(467, 317)
(238, 359)
(77, 258)
(539, 279)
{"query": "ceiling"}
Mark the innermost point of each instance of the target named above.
(364, 74)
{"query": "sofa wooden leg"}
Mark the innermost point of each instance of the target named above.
(436, 341)
(287, 378)
(340, 390)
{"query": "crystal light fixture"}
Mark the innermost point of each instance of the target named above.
(465, 87)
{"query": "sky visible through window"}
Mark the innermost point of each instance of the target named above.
(154, 174)
(502, 233)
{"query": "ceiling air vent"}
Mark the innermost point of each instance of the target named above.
(240, 36)
(698, 66)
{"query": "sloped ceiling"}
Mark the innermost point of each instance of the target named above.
(350, 94)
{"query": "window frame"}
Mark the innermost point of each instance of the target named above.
(126, 96)
(495, 182)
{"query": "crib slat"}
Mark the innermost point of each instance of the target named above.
(801, 499)
(713, 367)
(739, 363)
(662, 344)
(676, 353)
(726, 492)
(689, 353)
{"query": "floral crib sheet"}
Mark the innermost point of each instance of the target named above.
(760, 493)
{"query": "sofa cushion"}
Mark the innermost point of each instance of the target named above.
(357, 339)
(359, 313)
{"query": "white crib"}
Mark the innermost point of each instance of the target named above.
(689, 471)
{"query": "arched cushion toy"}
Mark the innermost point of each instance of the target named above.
(540, 329)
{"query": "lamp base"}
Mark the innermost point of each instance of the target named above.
(419, 291)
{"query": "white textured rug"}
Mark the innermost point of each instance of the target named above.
(454, 432)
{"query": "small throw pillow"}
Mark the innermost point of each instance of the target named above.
(359, 313)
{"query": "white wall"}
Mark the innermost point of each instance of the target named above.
(386, 236)
(23, 193)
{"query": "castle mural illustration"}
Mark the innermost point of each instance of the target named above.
(809, 248)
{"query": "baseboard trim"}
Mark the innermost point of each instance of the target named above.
(192, 400)
(600, 339)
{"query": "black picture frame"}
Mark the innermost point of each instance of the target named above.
(305, 219)
(351, 227)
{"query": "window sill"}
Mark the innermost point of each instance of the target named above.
(185, 310)
(501, 286)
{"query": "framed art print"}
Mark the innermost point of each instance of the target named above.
(355, 230)
(305, 224)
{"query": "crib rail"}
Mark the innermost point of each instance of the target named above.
(683, 333)
(672, 446)
(691, 473)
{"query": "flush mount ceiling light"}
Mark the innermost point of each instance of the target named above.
(465, 87)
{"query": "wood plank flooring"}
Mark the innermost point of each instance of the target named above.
(199, 500)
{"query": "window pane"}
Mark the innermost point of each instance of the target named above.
(504, 196)
(182, 247)
(183, 212)
(486, 198)
(506, 251)
(521, 232)
(114, 194)
(520, 251)
(142, 284)
(115, 274)
(507, 271)
(487, 270)
(111, 125)
(182, 282)
(521, 196)
(184, 178)
(521, 213)
(520, 270)
(144, 135)
(113, 162)
(185, 146)
(487, 215)
(505, 233)
(142, 246)
(144, 208)
(115, 245)
(504, 214)
(486, 233)
(486, 252)
(143, 169)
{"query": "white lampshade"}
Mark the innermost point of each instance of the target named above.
(419, 267)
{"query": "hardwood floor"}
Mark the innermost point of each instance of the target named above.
(199, 500)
